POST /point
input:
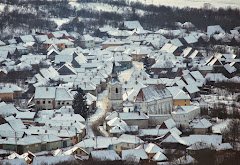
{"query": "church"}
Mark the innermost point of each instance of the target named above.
(154, 100)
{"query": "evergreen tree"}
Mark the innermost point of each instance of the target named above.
(80, 103)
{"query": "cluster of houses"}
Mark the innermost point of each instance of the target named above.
(153, 83)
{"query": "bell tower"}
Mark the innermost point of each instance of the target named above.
(115, 91)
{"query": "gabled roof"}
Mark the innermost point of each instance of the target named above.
(151, 93)
(214, 29)
(203, 123)
(105, 155)
(132, 25)
(169, 124)
(159, 156)
(174, 138)
(178, 93)
(192, 88)
(153, 148)
(136, 154)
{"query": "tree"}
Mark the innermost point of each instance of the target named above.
(80, 103)
(232, 133)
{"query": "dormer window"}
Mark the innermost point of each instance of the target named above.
(116, 90)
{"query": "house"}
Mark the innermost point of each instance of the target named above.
(91, 102)
(7, 109)
(192, 90)
(201, 126)
(98, 143)
(87, 41)
(135, 155)
(154, 99)
(117, 127)
(172, 140)
(180, 98)
(52, 97)
(214, 29)
(9, 92)
(112, 42)
(26, 117)
(183, 114)
(138, 54)
(152, 149)
(131, 25)
(131, 118)
(126, 141)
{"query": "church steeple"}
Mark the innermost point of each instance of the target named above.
(115, 91)
(114, 76)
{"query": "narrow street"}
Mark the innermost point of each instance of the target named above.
(99, 114)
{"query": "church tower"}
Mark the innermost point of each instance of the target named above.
(115, 91)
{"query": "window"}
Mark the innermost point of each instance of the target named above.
(38, 102)
(67, 103)
(43, 102)
(58, 103)
(49, 102)
(116, 90)
(62, 103)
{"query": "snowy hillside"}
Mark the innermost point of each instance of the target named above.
(193, 3)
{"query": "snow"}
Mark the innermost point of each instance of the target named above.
(101, 107)
(193, 3)
(60, 21)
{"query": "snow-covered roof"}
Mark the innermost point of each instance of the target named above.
(203, 123)
(105, 155)
(49, 160)
(216, 77)
(169, 123)
(57, 93)
(208, 139)
(174, 138)
(135, 154)
(153, 148)
(133, 139)
(151, 93)
(214, 29)
(159, 156)
(185, 109)
(192, 88)
(178, 93)
(25, 115)
(27, 38)
(185, 160)
(132, 25)
(7, 109)
(127, 116)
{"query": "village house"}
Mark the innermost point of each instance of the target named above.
(52, 97)
(182, 115)
(9, 92)
(130, 118)
(180, 98)
(201, 126)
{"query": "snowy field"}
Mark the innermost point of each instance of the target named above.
(103, 7)
(193, 3)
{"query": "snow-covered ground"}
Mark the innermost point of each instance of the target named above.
(103, 7)
(193, 3)
(60, 21)
(126, 74)
(101, 107)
